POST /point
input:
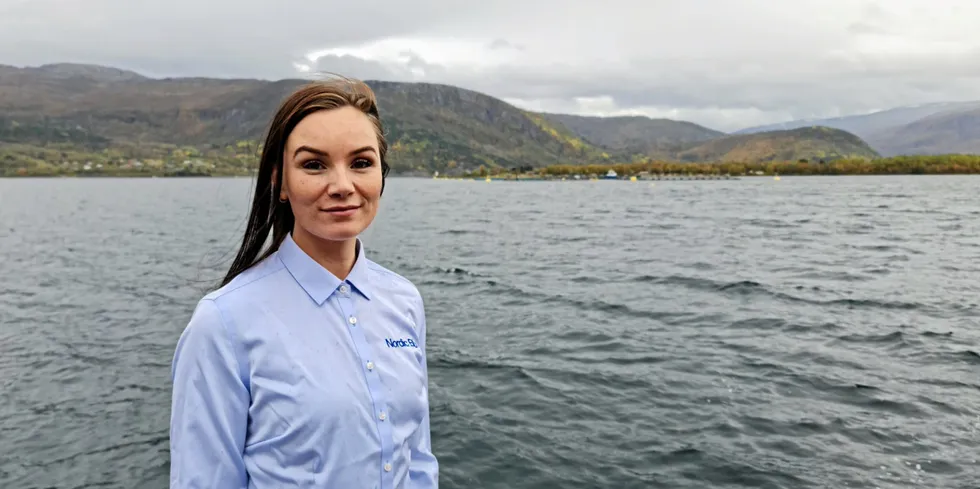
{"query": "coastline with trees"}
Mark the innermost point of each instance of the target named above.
(898, 165)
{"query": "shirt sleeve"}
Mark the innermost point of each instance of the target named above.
(209, 407)
(423, 471)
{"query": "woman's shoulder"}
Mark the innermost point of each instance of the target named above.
(391, 282)
(399, 293)
(226, 309)
(251, 284)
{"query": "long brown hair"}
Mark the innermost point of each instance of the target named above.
(268, 214)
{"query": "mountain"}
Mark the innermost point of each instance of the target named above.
(77, 71)
(889, 131)
(432, 123)
(636, 134)
(62, 114)
(946, 132)
(865, 124)
(429, 126)
(665, 139)
(808, 143)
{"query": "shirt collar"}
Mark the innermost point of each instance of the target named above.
(317, 281)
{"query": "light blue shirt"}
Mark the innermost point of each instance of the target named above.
(290, 377)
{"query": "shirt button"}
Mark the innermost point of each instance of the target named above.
(343, 289)
(382, 416)
(387, 467)
(370, 365)
(352, 320)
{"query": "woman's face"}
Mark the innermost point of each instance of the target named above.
(332, 174)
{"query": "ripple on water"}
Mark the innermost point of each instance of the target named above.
(815, 333)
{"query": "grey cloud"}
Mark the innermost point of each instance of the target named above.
(712, 60)
(802, 89)
(874, 19)
(873, 10)
(211, 38)
(359, 68)
(862, 27)
(504, 44)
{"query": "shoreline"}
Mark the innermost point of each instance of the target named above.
(692, 178)
(950, 164)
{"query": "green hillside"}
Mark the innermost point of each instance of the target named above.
(439, 127)
(661, 138)
(807, 143)
(83, 119)
(667, 140)
(430, 127)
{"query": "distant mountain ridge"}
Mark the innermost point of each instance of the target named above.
(95, 72)
(431, 127)
(869, 123)
(805, 143)
(945, 132)
(636, 134)
(665, 139)
(938, 128)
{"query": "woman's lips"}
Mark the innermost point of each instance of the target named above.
(342, 210)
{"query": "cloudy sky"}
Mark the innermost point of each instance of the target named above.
(726, 64)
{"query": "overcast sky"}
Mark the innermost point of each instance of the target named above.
(726, 64)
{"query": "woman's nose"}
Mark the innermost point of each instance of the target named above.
(340, 184)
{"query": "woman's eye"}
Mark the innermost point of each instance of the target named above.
(362, 163)
(312, 164)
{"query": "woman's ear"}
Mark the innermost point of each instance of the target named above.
(278, 186)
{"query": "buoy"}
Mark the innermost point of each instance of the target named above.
(632, 179)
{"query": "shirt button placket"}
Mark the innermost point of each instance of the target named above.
(373, 386)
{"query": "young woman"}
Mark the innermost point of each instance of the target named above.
(307, 367)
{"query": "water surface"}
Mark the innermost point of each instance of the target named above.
(803, 333)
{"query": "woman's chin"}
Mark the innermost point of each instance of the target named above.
(337, 232)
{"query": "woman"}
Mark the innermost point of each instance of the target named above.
(307, 367)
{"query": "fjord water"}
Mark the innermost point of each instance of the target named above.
(802, 333)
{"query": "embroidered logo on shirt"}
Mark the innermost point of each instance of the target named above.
(400, 343)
